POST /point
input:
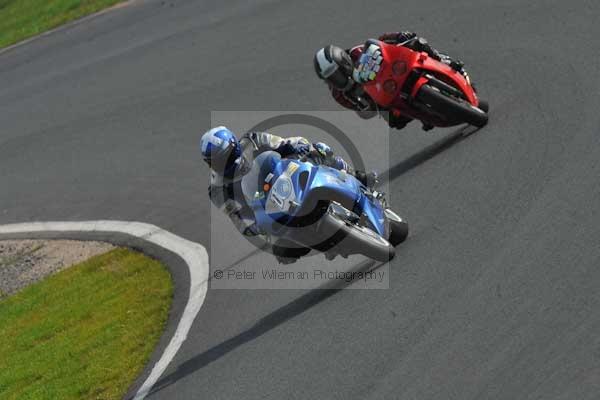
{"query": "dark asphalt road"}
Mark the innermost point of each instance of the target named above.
(495, 295)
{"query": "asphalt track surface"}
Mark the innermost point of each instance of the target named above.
(495, 295)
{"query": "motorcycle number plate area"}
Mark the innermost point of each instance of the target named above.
(282, 193)
(369, 64)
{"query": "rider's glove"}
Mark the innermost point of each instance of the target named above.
(309, 152)
(369, 179)
(397, 37)
(405, 36)
(303, 149)
(323, 149)
(286, 148)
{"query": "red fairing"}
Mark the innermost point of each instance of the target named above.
(398, 62)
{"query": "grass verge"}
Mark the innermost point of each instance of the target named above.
(21, 19)
(86, 332)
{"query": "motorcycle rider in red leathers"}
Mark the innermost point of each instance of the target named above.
(335, 66)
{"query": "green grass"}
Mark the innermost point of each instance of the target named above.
(86, 332)
(20, 19)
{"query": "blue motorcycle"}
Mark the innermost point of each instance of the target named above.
(315, 207)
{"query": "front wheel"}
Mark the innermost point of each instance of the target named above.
(451, 107)
(397, 227)
(351, 238)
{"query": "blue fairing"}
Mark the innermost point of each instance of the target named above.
(292, 182)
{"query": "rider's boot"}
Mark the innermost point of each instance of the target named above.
(398, 121)
(427, 127)
(286, 260)
(287, 252)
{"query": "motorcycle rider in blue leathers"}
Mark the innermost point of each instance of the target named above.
(230, 159)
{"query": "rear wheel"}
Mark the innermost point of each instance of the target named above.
(453, 108)
(484, 105)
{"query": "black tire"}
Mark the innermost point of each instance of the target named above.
(398, 232)
(397, 227)
(484, 105)
(355, 239)
(453, 108)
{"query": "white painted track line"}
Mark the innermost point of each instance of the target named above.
(194, 255)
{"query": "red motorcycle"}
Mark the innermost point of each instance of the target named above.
(413, 84)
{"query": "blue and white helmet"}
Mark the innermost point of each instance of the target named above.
(220, 150)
